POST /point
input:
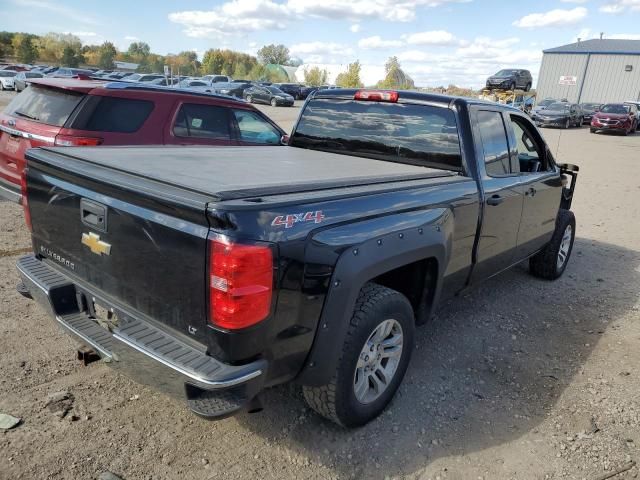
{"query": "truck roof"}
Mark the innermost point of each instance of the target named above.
(413, 96)
(222, 172)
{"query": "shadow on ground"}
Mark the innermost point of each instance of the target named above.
(486, 371)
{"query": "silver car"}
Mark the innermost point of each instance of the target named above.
(7, 79)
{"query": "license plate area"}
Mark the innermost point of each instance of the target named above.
(104, 315)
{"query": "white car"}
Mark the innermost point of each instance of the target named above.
(6, 79)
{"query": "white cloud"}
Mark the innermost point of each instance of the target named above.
(321, 52)
(620, 6)
(376, 43)
(355, 28)
(433, 37)
(236, 16)
(131, 38)
(552, 18)
(574, 1)
(85, 34)
(413, 56)
(243, 16)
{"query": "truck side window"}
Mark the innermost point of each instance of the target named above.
(202, 121)
(494, 143)
(530, 157)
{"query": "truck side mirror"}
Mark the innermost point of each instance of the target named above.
(284, 140)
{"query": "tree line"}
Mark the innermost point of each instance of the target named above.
(68, 50)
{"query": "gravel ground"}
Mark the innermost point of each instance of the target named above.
(518, 379)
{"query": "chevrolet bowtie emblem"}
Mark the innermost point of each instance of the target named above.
(96, 245)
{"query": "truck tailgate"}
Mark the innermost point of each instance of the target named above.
(136, 248)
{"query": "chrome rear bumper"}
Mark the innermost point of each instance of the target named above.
(144, 352)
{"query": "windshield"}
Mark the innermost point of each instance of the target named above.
(6, 73)
(546, 103)
(414, 134)
(613, 108)
(590, 106)
(505, 73)
(558, 107)
(33, 75)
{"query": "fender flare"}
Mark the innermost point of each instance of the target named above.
(357, 265)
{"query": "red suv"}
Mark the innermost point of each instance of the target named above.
(71, 112)
(618, 117)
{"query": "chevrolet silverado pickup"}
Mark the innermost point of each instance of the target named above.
(213, 273)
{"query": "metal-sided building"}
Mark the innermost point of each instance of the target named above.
(604, 70)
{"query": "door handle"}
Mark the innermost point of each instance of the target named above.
(495, 200)
(531, 191)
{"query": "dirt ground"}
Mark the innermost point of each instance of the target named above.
(518, 379)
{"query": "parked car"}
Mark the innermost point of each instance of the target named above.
(164, 82)
(22, 79)
(227, 271)
(292, 89)
(541, 105)
(193, 83)
(217, 78)
(143, 77)
(235, 89)
(14, 68)
(89, 112)
(560, 114)
(306, 91)
(269, 95)
(64, 72)
(7, 78)
(588, 110)
(511, 79)
(617, 117)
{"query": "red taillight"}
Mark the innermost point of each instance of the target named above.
(376, 96)
(71, 141)
(240, 284)
(25, 198)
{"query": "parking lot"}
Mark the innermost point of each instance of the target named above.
(518, 379)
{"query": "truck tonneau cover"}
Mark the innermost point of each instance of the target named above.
(227, 173)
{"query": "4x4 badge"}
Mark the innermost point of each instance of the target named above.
(290, 220)
(96, 245)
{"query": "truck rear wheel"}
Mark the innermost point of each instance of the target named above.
(374, 359)
(551, 262)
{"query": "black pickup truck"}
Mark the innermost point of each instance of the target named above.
(212, 273)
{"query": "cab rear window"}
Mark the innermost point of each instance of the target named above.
(44, 105)
(405, 133)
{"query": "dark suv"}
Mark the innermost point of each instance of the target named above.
(68, 112)
(510, 79)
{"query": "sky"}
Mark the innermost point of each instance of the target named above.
(438, 42)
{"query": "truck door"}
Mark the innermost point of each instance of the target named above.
(502, 194)
(540, 183)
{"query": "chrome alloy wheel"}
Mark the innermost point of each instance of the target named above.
(378, 361)
(563, 252)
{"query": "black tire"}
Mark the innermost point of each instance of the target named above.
(592, 130)
(527, 87)
(274, 102)
(544, 264)
(337, 400)
(567, 124)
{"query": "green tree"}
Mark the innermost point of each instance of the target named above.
(52, 47)
(24, 48)
(6, 43)
(350, 78)
(240, 72)
(258, 72)
(138, 50)
(315, 77)
(107, 53)
(70, 57)
(278, 54)
(395, 78)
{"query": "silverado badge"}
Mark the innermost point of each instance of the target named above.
(96, 245)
